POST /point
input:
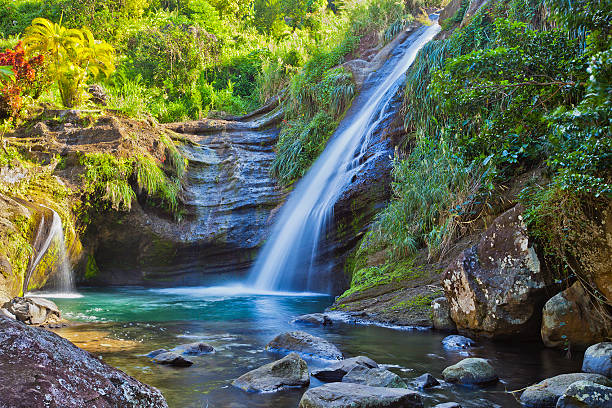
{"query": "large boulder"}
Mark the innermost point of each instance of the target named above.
(441, 317)
(546, 393)
(583, 394)
(496, 288)
(375, 377)
(598, 359)
(40, 369)
(568, 318)
(470, 371)
(33, 310)
(348, 395)
(337, 371)
(305, 344)
(289, 371)
(456, 342)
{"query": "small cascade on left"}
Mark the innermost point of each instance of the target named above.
(51, 256)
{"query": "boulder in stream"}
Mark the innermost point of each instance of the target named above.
(315, 319)
(289, 371)
(172, 359)
(598, 359)
(33, 310)
(448, 405)
(375, 377)
(194, 349)
(349, 395)
(305, 344)
(470, 371)
(41, 369)
(586, 394)
(337, 371)
(426, 381)
(456, 342)
(546, 393)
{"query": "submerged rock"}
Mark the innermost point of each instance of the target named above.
(315, 319)
(375, 377)
(448, 405)
(569, 318)
(194, 349)
(586, 394)
(598, 359)
(441, 318)
(456, 342)
(337, 371)
(305, 344)
(496, 288)
(157, 352)
(289, 371)
(426, 381)
(470, 371)
(172, 359)
(546, 393)
(41, 369)
(348, 395)
(33, 310)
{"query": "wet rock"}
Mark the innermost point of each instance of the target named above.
(583, 394)
(8, 314)
(426, 381)
(315, 319)
(546, 393)
(456, 342)
(448, 405)
(598, 359)
(375, 377)
(194, 349)
(470, 371)
(35, 311)
(157, 352)
(496, 288)
(172, 359)
(441, 318)
(289, 371)
(348, 395)
(305, 344)
(337, 371)
(41, 369)
(569, 318)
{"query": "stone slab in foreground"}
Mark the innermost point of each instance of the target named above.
(348, 395)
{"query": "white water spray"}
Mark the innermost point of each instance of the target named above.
(287, 259)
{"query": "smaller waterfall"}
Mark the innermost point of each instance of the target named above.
(52, 245)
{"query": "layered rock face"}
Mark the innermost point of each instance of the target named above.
(230, 200)
(496, 288)
(41, 369)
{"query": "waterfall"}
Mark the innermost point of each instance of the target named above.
(287, 260)
(54, 246)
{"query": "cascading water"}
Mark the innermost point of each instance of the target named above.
(287, 261)
(54, 246)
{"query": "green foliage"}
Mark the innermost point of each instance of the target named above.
(417, 302)
(106, 181)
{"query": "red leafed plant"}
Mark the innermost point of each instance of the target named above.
(29, 80)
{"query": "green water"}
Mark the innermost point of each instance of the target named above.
(240, 324)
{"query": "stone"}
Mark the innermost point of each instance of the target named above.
(375, 377)
(496, 288)
(98, 94)
(447, 405)
(568, 318)
(305, 344)
(8, 314)
(546, 393)
(42, 369)
(598, 359)
(172, 359)
(583, 394)
(470, 371)
(33, 310)
(426, 381)
(349, 395)
(157, 352)
(289, 371)
(194, 349)
(315, 319)
(337, 371)
(441, 318)
(456, 342)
